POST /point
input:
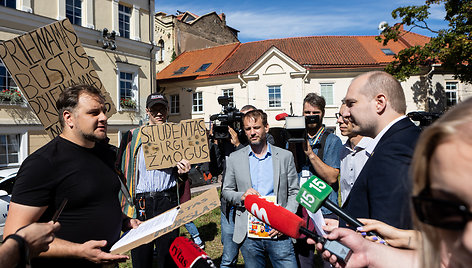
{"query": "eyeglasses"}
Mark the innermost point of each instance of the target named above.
(338, 115)
(445, 214)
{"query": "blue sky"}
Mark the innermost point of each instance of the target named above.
(260, 20)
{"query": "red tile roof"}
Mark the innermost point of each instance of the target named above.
(312, 52)
(196, 58)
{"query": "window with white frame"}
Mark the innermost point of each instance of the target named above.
(8, 3)
(9, 92)
(327, 93)
(74, 11)
(127, 94)
(197, 105)
(451, 94)
(124, 16)
(228, 92)
(9, 149)
(275, 98)
(128, 87)
(174, 104)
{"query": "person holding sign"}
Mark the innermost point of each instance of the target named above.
(79, 167)
(261, 169)
(153, 191)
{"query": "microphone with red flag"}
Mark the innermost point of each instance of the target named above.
(187, 254)
(281, 116)
(290, 224)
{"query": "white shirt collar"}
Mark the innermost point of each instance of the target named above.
(371, 146)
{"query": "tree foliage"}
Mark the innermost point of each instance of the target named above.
(451, 47)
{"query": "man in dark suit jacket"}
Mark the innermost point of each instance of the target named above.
(376, 107)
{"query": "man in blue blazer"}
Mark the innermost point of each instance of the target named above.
(261, 169)
(376, 108)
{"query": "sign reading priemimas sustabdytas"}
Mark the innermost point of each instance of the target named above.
(46, 61)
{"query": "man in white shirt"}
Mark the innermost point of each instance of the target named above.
(352, 155)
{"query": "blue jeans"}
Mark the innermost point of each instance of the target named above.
(280, 251)
(193, 231)
(230, 248)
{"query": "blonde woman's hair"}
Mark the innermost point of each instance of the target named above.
(456, 123)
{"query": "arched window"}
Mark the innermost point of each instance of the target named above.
(160, 56)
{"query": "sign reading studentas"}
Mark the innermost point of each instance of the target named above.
(166, 144)
(46, 61)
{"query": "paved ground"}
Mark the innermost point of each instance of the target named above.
(205, 187)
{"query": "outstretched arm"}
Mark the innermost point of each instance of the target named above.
(366, 253)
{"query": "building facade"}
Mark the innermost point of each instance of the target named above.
(118, 39)
(186, 31)
(276, 75)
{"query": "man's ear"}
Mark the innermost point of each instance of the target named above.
(68, 120)
(380, 103)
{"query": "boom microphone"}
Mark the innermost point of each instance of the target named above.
(187, 254)
(290, 224)
(281, 116)
(314, 193)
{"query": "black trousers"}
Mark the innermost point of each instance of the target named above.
(142, 256)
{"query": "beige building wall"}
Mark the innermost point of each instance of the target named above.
(133, 55)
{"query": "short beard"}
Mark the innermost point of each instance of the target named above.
(92, 137)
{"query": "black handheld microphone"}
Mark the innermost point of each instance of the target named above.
(314, 193)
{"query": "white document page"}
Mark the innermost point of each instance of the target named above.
(148, 227)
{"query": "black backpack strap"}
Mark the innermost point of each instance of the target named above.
(322, 144)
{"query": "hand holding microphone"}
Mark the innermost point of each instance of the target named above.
(314, 193)
(290, 224)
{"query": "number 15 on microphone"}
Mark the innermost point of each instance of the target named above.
(312, 193)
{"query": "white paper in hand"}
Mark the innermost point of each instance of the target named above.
(146, 228)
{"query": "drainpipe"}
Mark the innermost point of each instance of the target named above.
(430, 87)
(245, 85)
(307, 72)
(152, 68)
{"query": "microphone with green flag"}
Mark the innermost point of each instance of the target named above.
(314, 193)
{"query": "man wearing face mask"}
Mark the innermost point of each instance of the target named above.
(319, 156)
(153, 191)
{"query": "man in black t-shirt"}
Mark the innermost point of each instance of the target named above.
(78, 167)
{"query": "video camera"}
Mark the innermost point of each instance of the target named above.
(295, 126)
(229, 117)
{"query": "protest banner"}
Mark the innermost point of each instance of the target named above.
(166, 144)
(189, 211)
(46, 61)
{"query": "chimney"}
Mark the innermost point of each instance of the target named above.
(223, 17)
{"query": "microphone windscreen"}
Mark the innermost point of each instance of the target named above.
(313, 193)
(187, 254)
(281, 116)
(276, 216)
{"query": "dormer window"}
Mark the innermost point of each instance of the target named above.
(387, 51)
(203, 67)
(181, 70)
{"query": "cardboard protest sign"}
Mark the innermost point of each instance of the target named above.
(189, 211)
(166, 144)
(46, 61)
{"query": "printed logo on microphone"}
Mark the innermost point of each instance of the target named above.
(261, 213)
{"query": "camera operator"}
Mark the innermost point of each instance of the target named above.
(317, 155)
